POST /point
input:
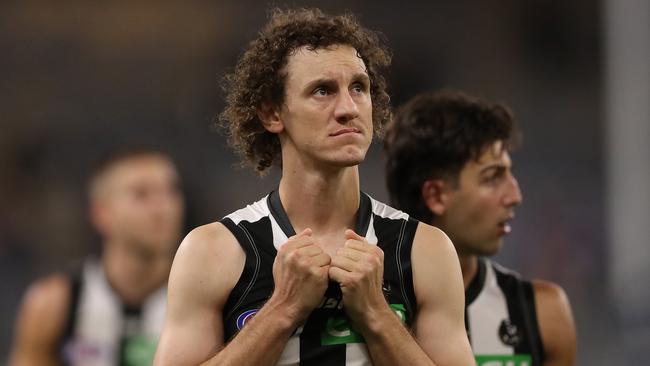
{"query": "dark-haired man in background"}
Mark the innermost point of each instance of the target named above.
(448, 164)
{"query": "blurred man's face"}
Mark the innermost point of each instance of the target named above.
(140, 204)
(479, 210)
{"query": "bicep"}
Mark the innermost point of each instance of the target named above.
(556, 324)
(440, 325)
(203, 273)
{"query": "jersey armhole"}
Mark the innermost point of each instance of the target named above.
(529, 302)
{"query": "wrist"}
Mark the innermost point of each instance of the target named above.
(288, 313)
(375, 321)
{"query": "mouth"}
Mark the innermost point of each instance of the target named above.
(345, 131)
(505, 227)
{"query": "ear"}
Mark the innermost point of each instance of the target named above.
(270, 117)
(435, 195)
(99, 217)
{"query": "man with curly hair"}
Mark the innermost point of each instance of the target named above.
(317, 272)
(448, 164)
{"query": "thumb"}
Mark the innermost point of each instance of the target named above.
(350, 234)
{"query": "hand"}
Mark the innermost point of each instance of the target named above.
(300, 274)
(359, 268)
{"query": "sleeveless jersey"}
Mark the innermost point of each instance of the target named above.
(326, 338)
(102, 331)
(501, 319)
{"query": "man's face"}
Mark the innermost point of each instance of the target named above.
(479, 209)
(327, 113)
(141, 204)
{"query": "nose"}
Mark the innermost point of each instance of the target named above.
(346, 108)
(513, 196)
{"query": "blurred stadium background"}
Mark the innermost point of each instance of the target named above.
(78, 78)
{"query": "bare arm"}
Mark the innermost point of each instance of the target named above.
(556, 324)
(40, 324)
(440, 323)
(440, 332)
(205, 270)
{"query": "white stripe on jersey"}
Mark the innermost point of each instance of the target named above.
(485, 315)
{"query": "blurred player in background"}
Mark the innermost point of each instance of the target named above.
(448, 164)
(110, 311)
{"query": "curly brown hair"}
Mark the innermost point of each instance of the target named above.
(260, 75)
(433, 136)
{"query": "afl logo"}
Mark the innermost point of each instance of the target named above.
(244, 317)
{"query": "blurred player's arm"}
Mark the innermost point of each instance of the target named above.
(440, 322)
(41, 322)
(556, 324)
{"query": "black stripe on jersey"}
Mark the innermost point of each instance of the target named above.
(397, 260)
(73, 309)
(255, 284)
(518, 312)
(312, 352)
(529, 303)
(472, 292)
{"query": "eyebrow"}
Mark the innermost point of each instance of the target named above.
(358, 77)
(495, 166)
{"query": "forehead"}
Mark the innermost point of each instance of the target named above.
(495, 153)
(140, 168)
(304, 64)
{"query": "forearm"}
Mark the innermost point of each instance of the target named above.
(261, 341)
(390, 343)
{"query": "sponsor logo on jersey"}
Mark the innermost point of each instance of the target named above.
(509, 333)
(244, 317)
(338, 329)
(503, 360)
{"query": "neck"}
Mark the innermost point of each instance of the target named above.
(323, 201)
(468, 267)
(132, 274)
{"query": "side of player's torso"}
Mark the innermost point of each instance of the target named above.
(102, 331)
(327, 337)
(501, 318)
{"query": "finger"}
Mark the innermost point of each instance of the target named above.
(354, 244)
(309, 250)
(306, 232)
(351, 253)
(344, 263)
(337, 274)
(350, 234)
(321, 260)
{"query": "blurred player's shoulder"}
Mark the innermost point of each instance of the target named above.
(44, 310)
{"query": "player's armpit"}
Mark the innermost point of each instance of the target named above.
(556, 324)
(207, 266)
(438, 284)
(41, 322)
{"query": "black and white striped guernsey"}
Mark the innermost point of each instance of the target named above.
(326, 338)
(101, 330)
(501, 319)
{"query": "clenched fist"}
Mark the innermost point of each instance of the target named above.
(300, 273)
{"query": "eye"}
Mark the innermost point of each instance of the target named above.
(359, 87)
(320, 91)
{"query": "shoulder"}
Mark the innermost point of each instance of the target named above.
(435, 263)
(208, 261)
(44, 309)
(432, 242)
(555, 321)
(48, 295)
(550, 299)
